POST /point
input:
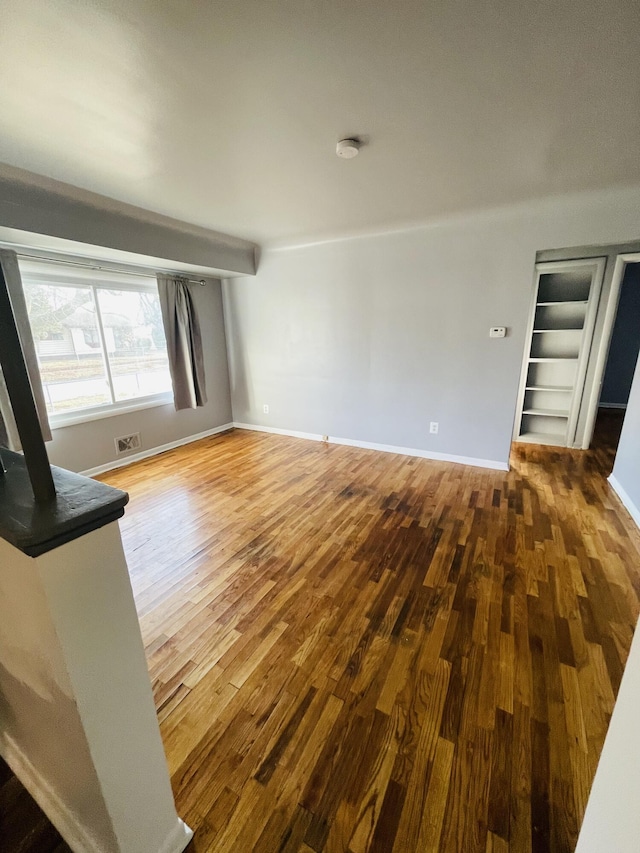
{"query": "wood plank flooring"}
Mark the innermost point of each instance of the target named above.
(357, 651)
(23, 826)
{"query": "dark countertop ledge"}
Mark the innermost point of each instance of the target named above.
(81, 505)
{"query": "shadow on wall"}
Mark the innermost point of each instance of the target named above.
(238, 379)
(27, 720)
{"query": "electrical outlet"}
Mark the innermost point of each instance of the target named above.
(265, 409)
(433, 427)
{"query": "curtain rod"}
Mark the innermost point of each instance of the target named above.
(98, 266)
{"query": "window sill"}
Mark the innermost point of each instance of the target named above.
(96, 414)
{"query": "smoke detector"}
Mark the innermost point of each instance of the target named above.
(348, 148)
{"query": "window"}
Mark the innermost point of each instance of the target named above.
(99, 338)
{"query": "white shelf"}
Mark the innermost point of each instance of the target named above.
(547, 331)
(563, 302)
(565, 389)
(552, 360)
(543, 438)
(547, 413)
(560, 329)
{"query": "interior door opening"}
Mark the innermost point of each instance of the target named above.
(619, 368)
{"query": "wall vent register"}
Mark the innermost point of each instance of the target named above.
(127, 443)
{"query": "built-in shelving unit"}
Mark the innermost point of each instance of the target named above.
(560, 333)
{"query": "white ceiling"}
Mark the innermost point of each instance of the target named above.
(226, 114)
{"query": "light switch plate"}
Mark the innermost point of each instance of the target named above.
(498, 332)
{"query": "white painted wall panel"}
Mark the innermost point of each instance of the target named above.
(371, 338)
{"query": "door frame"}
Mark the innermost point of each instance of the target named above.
(619, 270)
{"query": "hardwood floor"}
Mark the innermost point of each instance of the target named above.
(23, 826)
(606, 435)
(357, 651)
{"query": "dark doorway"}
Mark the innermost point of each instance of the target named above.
(621, 365)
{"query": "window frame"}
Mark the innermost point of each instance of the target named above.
(115, 407)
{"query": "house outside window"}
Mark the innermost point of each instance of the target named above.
(99, 339)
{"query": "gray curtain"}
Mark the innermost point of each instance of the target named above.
(184, 342)
(8, 431)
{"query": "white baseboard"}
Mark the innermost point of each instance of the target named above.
(384, 448)
(178, 839)
(153, 451)
(311, 436)
(64, 820)
(625, 500)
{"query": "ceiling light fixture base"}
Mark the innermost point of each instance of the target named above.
(348, 148)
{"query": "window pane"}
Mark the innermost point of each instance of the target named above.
(134, 337)
(65, 331)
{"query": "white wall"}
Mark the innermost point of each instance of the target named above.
(626, 470)
(77, 720)
(373, 337)
(89, 445)
(612, 819)
(39, 205)
(36, 697)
